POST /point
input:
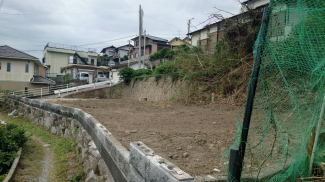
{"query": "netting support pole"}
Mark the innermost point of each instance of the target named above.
(317, 135)
(237, 155)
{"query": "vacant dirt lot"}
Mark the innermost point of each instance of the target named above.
(204, 133)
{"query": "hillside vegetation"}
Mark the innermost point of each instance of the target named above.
(223, 69)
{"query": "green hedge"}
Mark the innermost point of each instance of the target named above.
(12, 137)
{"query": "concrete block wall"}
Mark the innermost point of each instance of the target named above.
(145, 165)
(104, 157)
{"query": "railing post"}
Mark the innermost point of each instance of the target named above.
(77, 89)
(94, 86)
(59, 93)
(67, 88)
(41, 92)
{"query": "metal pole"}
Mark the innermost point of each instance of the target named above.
(129, 55)
(317, 135)
(140, 33)
(237, 155)
(188, 31)
(144, 48)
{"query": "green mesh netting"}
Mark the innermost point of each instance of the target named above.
(289, 94)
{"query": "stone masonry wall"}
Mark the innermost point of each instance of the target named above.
(103, 156)
(99, 163)
(165, 89)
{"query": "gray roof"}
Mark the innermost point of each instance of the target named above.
(152, 38)
(9, 52)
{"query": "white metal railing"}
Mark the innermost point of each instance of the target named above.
(77, 88)
(40, 92)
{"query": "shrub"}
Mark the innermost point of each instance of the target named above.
(126, 74)
(12, 137)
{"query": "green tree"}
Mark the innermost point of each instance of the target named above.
(126, 74)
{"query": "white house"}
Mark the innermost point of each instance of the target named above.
(57, 56)
(19, 70)
(108, 51)
(113, 74)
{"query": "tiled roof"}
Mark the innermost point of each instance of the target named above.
(6, 51)
(152, 38)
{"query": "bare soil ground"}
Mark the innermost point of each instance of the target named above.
(170, 129)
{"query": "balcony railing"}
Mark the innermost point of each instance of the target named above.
(69, 47)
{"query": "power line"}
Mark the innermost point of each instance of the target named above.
(163, 22)
(108, 40)
(27, 14)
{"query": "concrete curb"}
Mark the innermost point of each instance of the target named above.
(14, 166)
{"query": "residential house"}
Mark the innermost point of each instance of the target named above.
(19, 70)
(188, 40)
(208, 36)
(57, 56)
(176, 42)
(153, 44)
(113, 74)
(108, 51)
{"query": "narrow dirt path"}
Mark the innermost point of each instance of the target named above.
(36, 161)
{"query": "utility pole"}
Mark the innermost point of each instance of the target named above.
(144, 48)
(188, 30)
(129, 55)
(140, 33)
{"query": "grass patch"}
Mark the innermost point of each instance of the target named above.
(30, 162)
(64, 149)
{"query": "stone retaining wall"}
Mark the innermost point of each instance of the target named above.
(165, 89)
(103, 155)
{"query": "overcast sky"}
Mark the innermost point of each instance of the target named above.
(28, 25)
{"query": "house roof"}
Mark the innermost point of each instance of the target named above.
(103, 50)
(41, 80)
(6, 51)
(152, 38)
(177, 38)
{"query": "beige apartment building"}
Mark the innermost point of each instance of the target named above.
(19, 70)
(57, 56)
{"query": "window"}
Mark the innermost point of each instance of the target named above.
(136, 55)
(92, 61)
(137, 43)
(131, 58)
(84, 75)
(36, 69)
(26, 68)
(8, 67)
(70, 59)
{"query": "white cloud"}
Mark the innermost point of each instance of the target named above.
(76, 22)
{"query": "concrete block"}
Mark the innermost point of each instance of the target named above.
(138, 159)
(67, 111)
(153, 167)
(134, 176)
